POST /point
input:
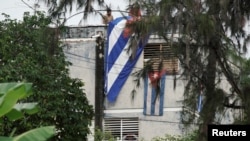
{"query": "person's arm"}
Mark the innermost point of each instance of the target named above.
(105, 19)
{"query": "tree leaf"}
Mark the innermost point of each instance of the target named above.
(20, 108)
(6, 139)
(38, 134)
(12, 92)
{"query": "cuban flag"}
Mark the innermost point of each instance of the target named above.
(154, 88)
(118, 64)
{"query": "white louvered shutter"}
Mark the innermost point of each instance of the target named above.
(122, 127)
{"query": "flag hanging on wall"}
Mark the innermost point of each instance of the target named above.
(118, 64)
(154, 87)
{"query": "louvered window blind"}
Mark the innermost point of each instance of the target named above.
(121, 127)
(158, 52)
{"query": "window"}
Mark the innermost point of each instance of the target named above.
(157, 52)
(122, 128)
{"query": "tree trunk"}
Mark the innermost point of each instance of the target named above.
(208, 112)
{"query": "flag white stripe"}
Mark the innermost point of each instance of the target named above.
(115, 34)
(149, 98)
(157, 105)
(117, 67)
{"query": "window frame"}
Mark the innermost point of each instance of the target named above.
(157, 52)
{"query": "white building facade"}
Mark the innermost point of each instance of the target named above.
(125, 117)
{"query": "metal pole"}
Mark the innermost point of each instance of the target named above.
(99, 82)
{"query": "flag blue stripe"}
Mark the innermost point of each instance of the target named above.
(153, 100)
(145, 96)
(199, 103)
(163, 79)
(121, 79)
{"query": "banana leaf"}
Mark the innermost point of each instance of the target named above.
(10, 93)
(38, 134)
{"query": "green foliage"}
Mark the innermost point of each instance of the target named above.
(189, 137)
(10, 94)
(30, 51)
(37, 134)
(100, 136)
(245, 79)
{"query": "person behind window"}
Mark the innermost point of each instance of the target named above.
(108, 17)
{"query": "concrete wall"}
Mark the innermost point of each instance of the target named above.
(81, 53)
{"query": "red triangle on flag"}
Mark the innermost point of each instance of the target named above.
(155, 76)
